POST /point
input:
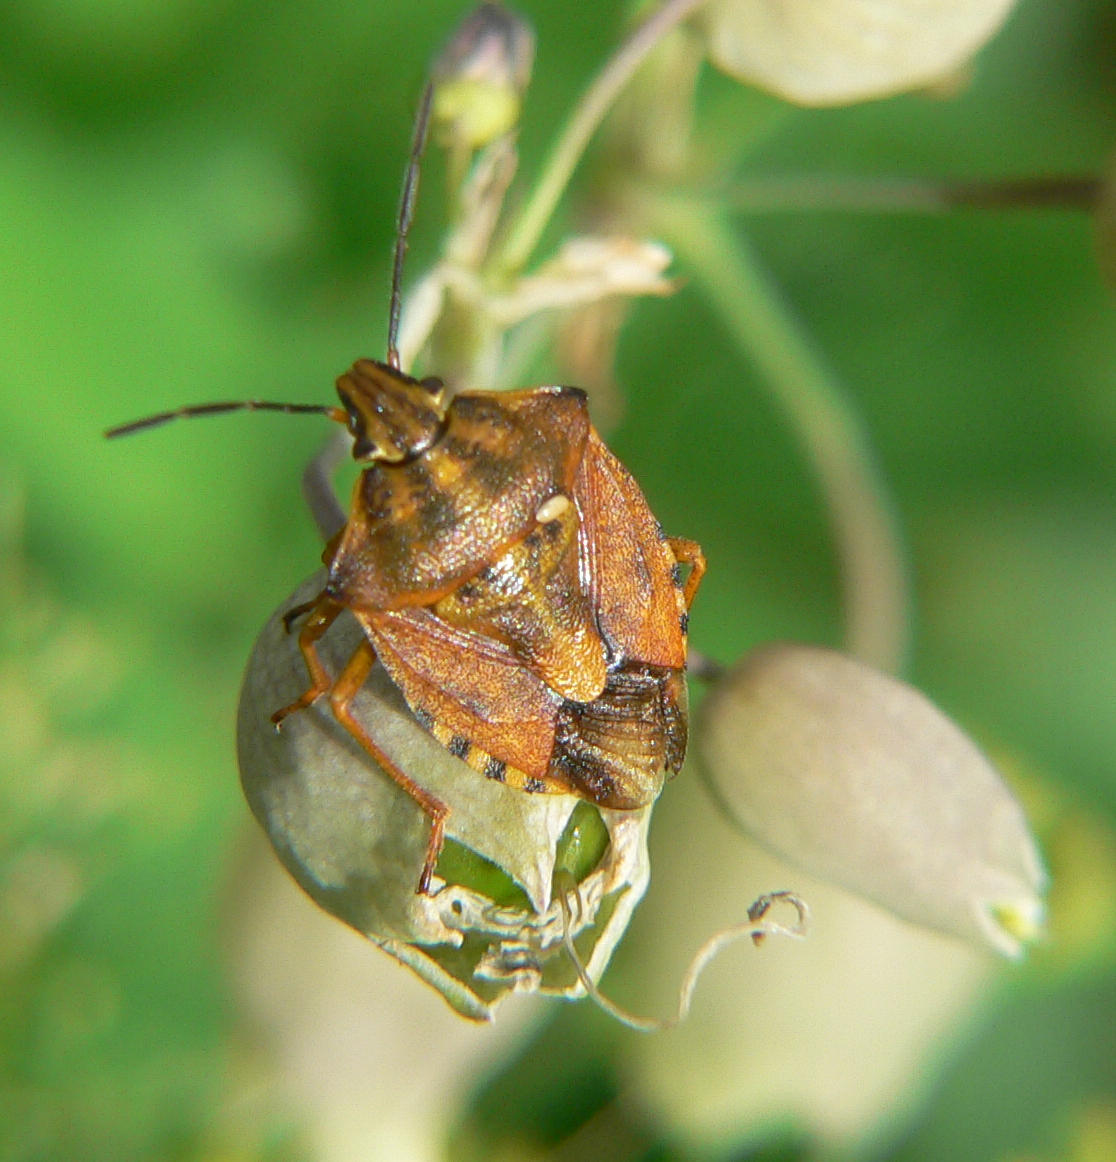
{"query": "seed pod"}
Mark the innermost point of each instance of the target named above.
(832, 52)
(355, 841)
(862, 781)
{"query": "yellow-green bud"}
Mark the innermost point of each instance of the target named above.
(480, 77)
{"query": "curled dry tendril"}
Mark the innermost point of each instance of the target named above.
(757, 926)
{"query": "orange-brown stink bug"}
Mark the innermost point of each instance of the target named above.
(508, 574)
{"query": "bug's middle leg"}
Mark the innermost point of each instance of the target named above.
(687, 552)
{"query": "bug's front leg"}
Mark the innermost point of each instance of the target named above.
(344, 690)
(324, 611)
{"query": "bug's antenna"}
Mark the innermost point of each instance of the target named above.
(212, 409)
(402, 230)
(403, 223)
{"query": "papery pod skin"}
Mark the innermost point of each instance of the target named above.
(859, 779)
(835, 52)
(355, 842)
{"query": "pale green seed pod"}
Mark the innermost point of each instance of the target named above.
(862, 781)
(835, 52)
(356, 842)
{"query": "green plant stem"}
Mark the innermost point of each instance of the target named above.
(587, 116)
(765, 331)
(914, 195)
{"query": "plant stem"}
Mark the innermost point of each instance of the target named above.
(914, 195)
(765, 331)
(587, 116)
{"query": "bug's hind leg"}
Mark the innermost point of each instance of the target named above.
(344, 690)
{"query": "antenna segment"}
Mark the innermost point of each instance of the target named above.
(241, 405)
(403, 223)
(402, 230)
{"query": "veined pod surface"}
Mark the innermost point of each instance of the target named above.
(354, 840)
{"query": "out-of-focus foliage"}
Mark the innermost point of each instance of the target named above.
(198, 200)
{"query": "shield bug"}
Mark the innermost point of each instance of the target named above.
(507, 573)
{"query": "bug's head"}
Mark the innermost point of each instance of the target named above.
(391, 416)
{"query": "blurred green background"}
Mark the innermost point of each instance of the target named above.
(197, 201)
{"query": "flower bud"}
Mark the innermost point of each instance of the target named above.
(481, 75)
(356, 842)
(861, 781)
